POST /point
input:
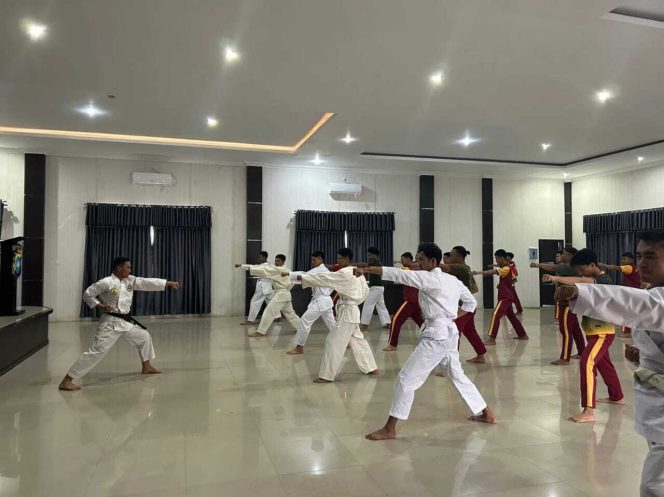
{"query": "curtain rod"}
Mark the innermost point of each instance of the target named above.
(154, 205)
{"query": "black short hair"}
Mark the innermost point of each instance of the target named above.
(583, 257)
(431, 250)
(461, 250)
(559, 252)
(345, 252)
(318, 253)
(373, 250)
(264, 254)
(447, 254)
(281, 257)
(628, 254)
(570, 250)
(510, 255)
(407, 255)
(119, 261)
(500, 253)
(652, 236)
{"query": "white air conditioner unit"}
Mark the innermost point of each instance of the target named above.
(345, 188)
(152, 179)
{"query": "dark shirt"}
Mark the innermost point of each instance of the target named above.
(374, 279)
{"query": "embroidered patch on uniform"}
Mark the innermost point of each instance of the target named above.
(114, 291)
(129, 288)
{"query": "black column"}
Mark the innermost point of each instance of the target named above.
(426, 209)
(487, 240)
(254, 225)
(568, 213)
(33, 230)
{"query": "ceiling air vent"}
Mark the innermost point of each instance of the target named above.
(636, 16)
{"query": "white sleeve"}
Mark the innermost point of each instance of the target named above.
(149, 284)
(91, 293)
(270, 272)
(246, 267)
(633, 307)
(294, 274)
(338, 281)
(468, 302)
(411, 278)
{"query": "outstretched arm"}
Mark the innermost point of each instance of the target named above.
(488, 272)
(567, 280)
(547, 266)
(609, 267)
(415, 279)
(153, 284)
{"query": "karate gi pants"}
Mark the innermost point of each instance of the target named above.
(336, 342)
(104, 340)
(376, 300)
(428, 354)
(652, 476)
(596, 358)
(504, 309)
(407, 310)
(256, 303)
(569, 328)
(308, 319)
(273, 311)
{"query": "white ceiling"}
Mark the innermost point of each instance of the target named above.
(518, 73)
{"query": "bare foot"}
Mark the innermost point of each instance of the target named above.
(486, 416)
(382, 434)
(364, 327)
(477, 360)
(524, 337)
(607, 400)
(298, 349)
(255, 334)
(322, 380)
(560, 362)
(389, 348)
(582, 417)
(149, 369)
(490, 341)
(374, 372)
(67, 384)
(576, 356)
(247, 323)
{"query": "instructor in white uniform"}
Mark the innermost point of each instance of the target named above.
(113, 295)
(320, 305)
(640, 310)
(262, 293)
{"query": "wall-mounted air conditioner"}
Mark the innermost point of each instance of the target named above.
(152, 179)
(345, 188)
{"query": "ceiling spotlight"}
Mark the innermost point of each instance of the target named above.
(467, 140)
(212, 122)
(546, 146)
(603, 95)
(35, 31)
(317, 160)
(437, 78)
(348, 139)
(640, 158)
(231, 55)
(91, 111)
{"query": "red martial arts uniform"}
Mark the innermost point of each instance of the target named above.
(632, 279)
(515, 275)
(410, 308)
(466, 323)
(568, 324)
(505, 303)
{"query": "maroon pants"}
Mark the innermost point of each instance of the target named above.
(407, 310)
(569, 328)
(504, 308)
(596, 358)
(517, 303)
(466, 325)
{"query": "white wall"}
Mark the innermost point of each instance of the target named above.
(73, 182)
(524, 212)
(12, 167)
(628, 191)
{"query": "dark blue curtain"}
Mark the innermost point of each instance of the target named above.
(319, 230)
(181, 252)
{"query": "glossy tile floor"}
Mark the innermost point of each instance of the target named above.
(237, 417)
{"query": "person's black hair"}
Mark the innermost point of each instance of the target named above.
(281, 257)
(461, 250)
(345, 252)
(407, 255)
(628, 254)
(652, 236)
(510, 254)
(570, 250)
(432, 251)
(264, 254)
(500, 253)
(373, 250)
(119, 261)
(559, 252)
(447, 254)
(318, 253)
(583, 257)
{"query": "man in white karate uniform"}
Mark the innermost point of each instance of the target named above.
(262, 293)
(281, 301)
(352, 290)
(376, 297)
(320, 305)
(640, 310)
(439, 298)
(113, 295)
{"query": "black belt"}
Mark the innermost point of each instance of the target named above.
(126, 317)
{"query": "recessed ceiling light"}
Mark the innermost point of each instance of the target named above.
(231, 54)
(437, 78)
(566, 175)
(467, 140)
(212, 122)
(640, 158)
(546, 146)
(603, 95)
(35, 31)
(348, 139)
(91, 111)
(317, 160)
